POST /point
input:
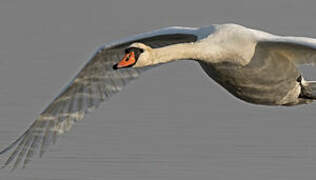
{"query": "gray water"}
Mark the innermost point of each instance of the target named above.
(173, 123)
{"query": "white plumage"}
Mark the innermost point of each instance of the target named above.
(253, 65)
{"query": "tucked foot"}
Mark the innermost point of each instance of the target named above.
(308, 88)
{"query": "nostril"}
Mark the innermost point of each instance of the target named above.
(127, 58)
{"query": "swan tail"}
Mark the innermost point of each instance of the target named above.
(308, 90)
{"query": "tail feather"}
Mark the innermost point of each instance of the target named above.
(308, 89)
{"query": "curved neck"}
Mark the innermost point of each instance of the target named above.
(175, 52)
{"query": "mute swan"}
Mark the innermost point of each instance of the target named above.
(253, 65)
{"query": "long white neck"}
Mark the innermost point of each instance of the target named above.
(175, 52)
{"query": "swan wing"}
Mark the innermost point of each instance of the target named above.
(299, 50)
(95, 83)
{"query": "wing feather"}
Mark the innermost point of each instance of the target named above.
(95, 83)
(300, 50)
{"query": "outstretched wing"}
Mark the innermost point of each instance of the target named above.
(95, 83)
(299, 50)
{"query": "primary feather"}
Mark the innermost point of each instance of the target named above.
(95, 83)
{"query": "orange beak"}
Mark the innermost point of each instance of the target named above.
(127, 61)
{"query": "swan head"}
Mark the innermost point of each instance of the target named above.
(136, 55)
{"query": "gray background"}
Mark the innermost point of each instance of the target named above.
(173, 123)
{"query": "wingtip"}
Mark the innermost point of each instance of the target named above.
(2, 162)
(3, 166)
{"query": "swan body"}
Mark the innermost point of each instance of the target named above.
(255, 66)
(235, 58)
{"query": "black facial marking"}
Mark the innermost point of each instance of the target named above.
(137, 51)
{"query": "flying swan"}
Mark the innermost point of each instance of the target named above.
(255, 66)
